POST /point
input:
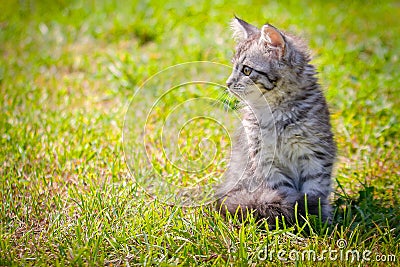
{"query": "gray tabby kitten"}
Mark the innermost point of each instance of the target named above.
(284, 151)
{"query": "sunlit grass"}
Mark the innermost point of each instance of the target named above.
(67, 72)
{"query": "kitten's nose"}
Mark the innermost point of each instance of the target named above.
(229, 82)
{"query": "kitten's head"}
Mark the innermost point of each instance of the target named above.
(266, 61)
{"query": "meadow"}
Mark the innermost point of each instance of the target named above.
(70, 72)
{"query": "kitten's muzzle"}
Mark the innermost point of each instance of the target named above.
(232, 85)
(231, 80)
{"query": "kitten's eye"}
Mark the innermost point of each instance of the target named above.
(247, 70)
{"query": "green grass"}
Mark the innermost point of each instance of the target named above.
(67, 72)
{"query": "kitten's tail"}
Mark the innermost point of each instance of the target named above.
(269, 204)
(263, 204)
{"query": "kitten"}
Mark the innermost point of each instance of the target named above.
(284, 150)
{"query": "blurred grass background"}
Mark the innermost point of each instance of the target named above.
(67, 71)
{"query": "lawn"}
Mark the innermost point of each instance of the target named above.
(78, 87)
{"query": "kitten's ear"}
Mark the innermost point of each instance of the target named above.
(272, 38)
(241, 29)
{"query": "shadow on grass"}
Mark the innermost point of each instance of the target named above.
(367, 214)
(362, 214)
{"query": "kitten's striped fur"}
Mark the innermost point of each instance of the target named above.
(284, 148)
